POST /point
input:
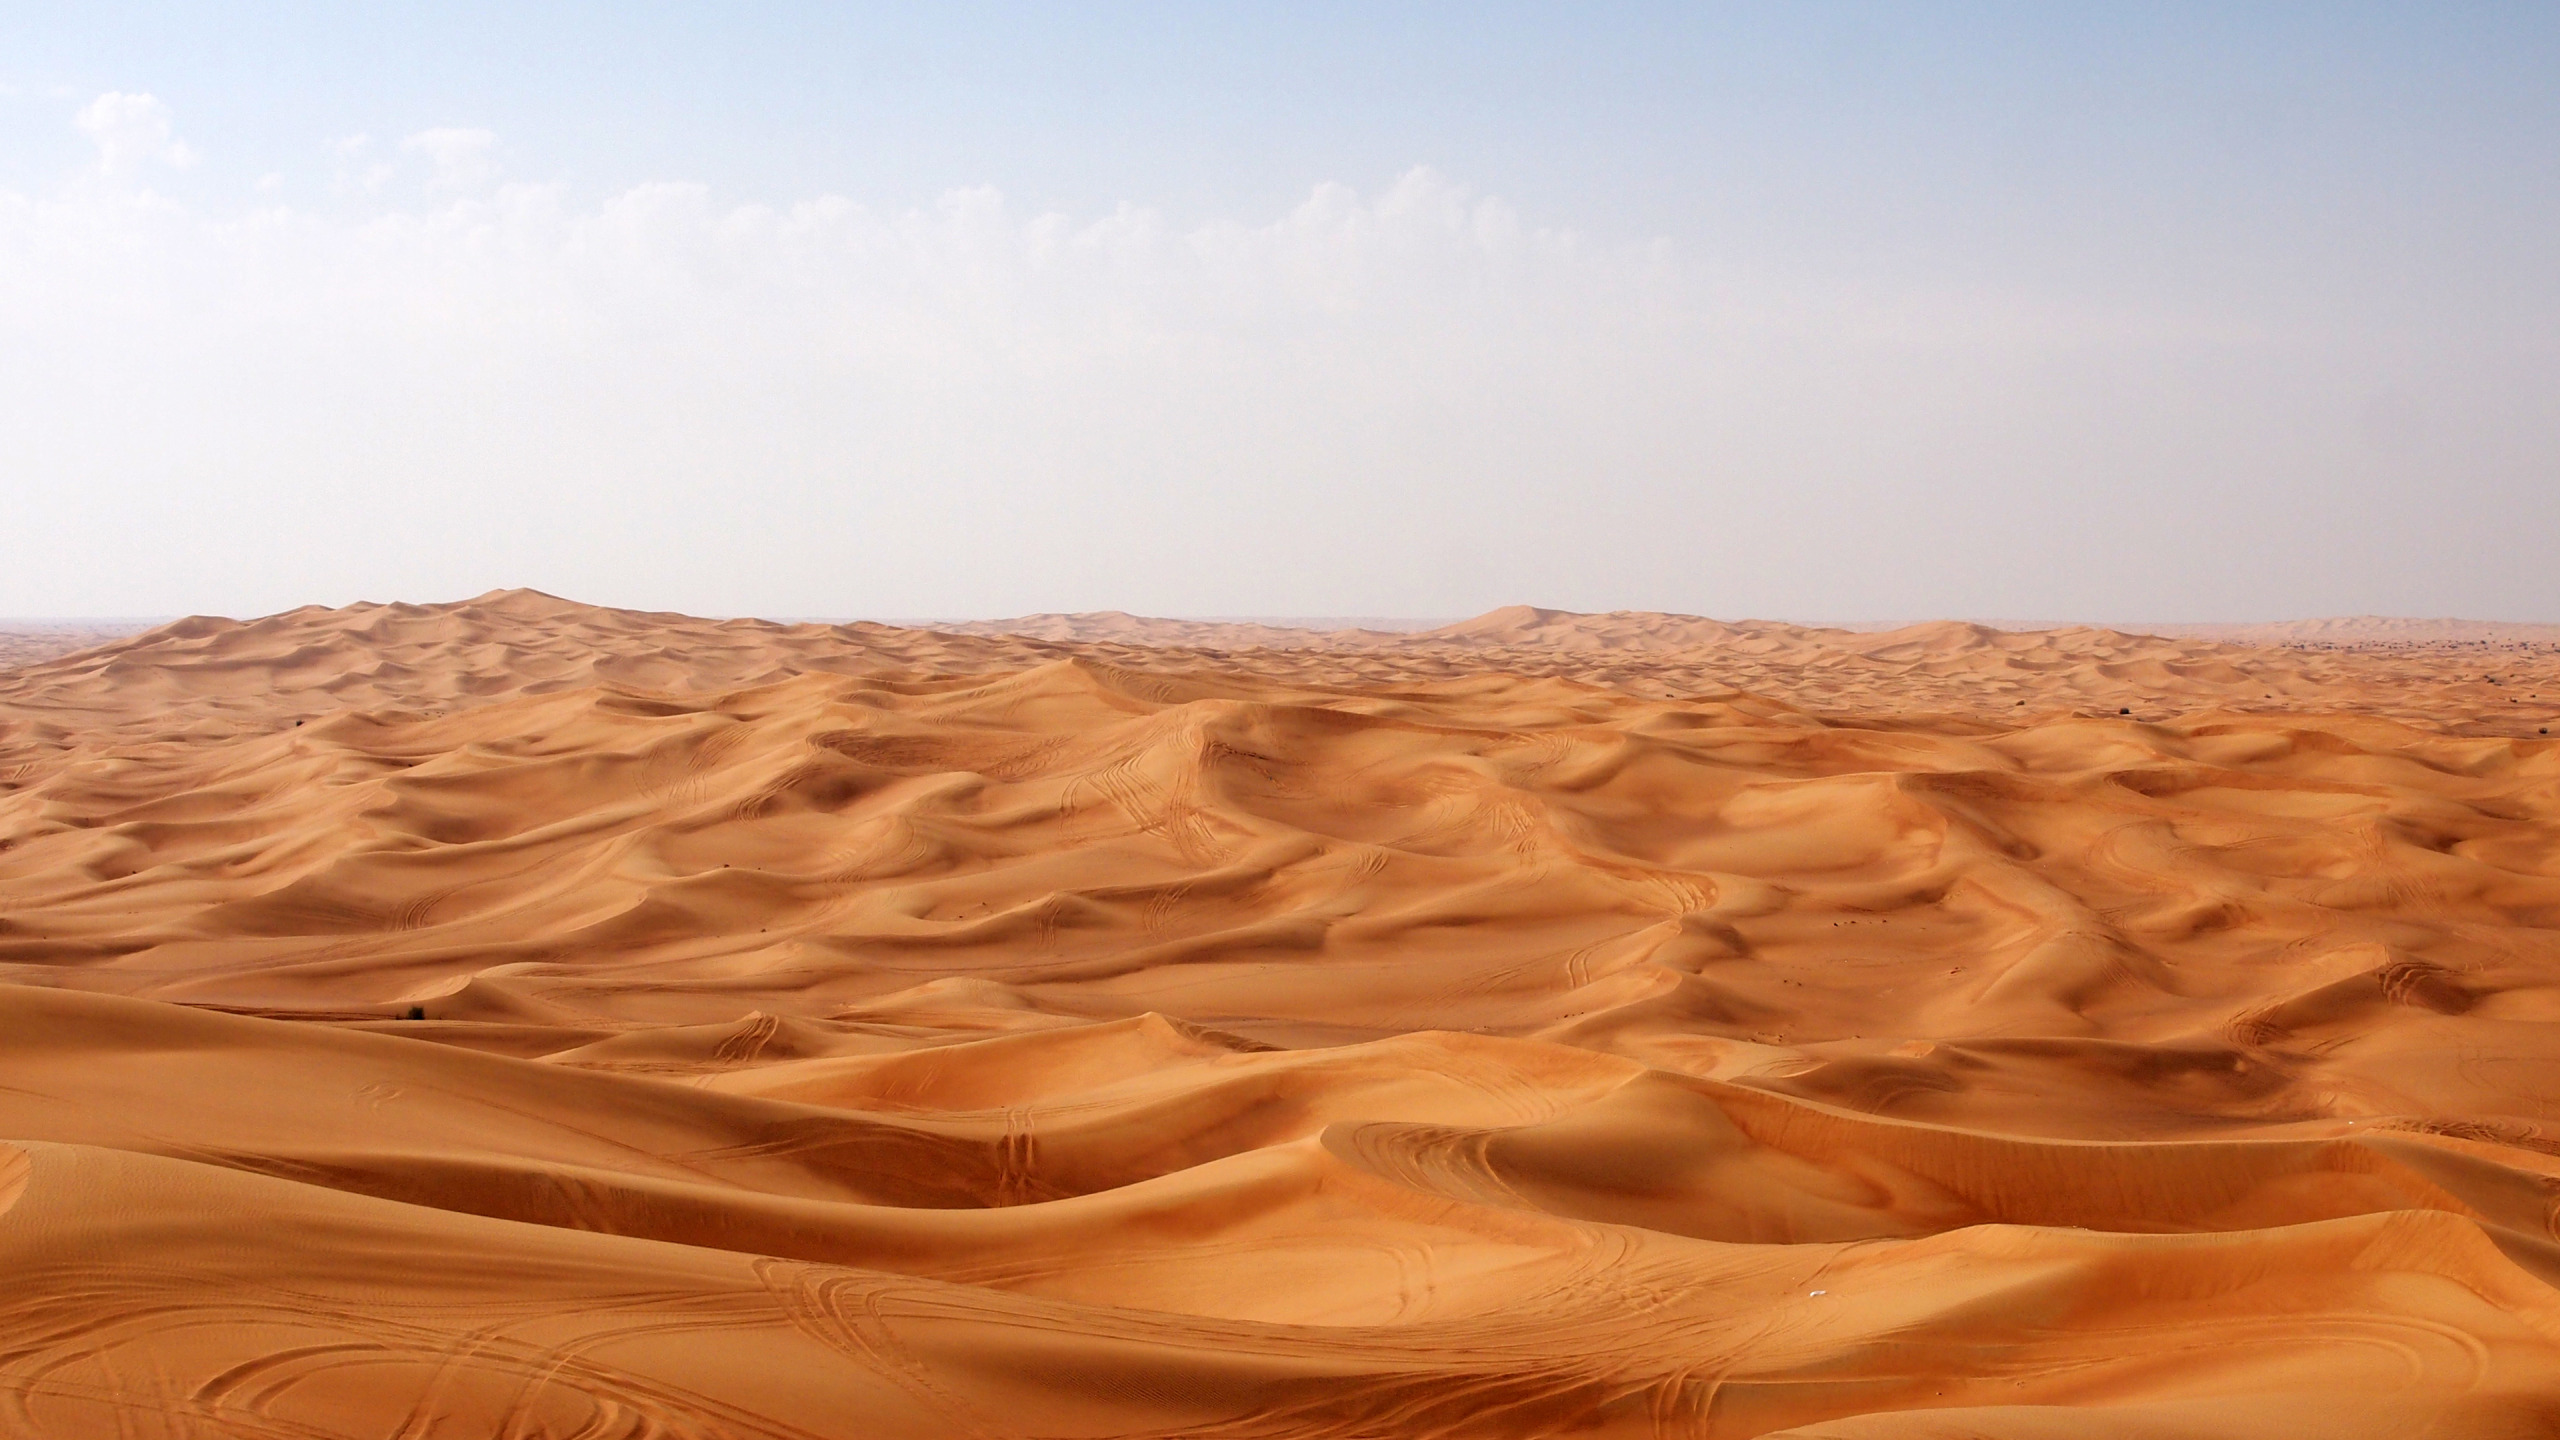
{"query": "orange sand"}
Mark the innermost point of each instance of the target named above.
(1616, 1025)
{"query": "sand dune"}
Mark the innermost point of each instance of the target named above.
(2378, 630)
(518, 1017)
(1120, 627)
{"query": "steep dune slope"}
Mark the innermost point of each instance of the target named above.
(519, 1018)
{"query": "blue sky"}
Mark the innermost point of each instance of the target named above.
(2165, 312)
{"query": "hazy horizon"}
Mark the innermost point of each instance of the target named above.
(2203, 628)
(2177, 316)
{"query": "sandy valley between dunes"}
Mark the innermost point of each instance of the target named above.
(518, 1018)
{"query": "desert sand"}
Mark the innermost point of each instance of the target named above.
(521, 1018)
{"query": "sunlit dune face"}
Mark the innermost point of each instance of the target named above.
(517, 1017)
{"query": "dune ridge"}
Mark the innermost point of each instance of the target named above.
(438, 657)
(2378, 630)
(522, 1017)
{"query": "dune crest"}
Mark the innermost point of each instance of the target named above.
(520, 1017)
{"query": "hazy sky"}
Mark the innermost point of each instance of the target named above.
(2112, 312)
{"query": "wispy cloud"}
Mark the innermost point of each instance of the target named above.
(132, 131)
(462, 159)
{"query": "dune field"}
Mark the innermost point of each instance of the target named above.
(519, 1018)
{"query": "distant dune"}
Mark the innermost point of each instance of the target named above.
(24, 642)
(311, 661)
(2374, 630)
(1119, 625)
(518, 1017)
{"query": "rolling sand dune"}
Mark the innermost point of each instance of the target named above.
(2472, 676)
(2379, 630)
(521, 1018)
(1120, 627)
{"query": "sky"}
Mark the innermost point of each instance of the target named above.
(1855, 312)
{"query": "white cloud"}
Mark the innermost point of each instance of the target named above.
(463, 159)
(131, 131)
(357, 174)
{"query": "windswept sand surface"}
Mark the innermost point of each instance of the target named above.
(1545, 1025)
